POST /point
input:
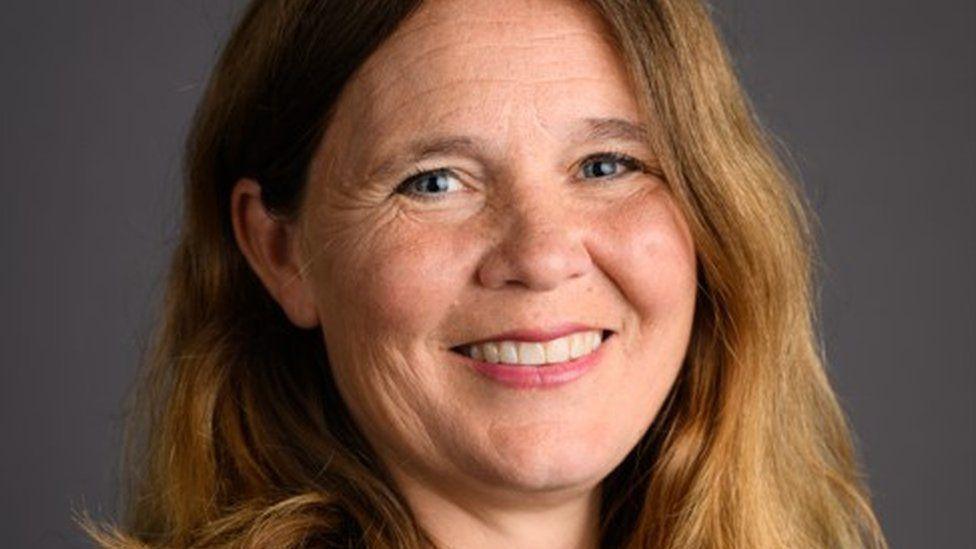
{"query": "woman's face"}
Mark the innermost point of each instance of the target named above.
(521, 222)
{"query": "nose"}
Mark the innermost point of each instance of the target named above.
(542, 245)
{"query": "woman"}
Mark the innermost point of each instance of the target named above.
(488, 274)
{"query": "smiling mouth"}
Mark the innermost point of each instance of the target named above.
(536, 353)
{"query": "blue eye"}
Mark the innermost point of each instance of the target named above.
(437, 184)
(429, 185)
(606, 165)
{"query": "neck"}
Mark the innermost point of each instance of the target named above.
(461, 521)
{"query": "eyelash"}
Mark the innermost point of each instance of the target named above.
(629, 162)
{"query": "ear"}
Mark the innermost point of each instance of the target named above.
(271, 247)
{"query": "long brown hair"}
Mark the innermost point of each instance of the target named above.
(242, 439)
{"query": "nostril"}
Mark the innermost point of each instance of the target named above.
(535, 258)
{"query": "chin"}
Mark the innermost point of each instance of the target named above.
(553, 459)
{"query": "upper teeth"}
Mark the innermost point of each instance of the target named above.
(543, 352)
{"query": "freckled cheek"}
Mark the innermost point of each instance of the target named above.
(394, 287)
(408, 282)
(647, 250)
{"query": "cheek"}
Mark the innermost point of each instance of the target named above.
(649, 255)
(392, 276)
(409, 282)
(385, 289)
(646, 248)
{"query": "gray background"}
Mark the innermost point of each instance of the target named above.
(874, 100)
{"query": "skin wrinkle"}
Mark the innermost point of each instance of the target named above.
(448, 85)
(397, 281)
(426, 27)
(523, 237)
(454, 83)
(456, 47)
(388, 167)
(421, 58)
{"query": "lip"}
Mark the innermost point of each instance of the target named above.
(533, 335)
(518, 376)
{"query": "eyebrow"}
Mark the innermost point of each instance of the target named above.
(598, 129)
(591, 129)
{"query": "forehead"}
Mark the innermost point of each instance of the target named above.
(456, 64)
